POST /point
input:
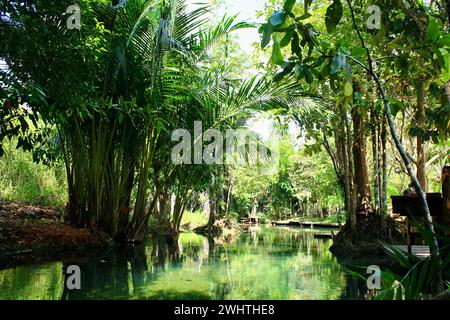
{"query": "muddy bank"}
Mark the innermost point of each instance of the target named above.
(32, 234)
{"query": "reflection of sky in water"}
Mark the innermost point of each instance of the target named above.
(264, 264)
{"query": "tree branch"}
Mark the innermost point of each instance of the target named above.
(436, 157)
(422, 197)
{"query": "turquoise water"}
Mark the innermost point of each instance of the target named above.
(264, 263)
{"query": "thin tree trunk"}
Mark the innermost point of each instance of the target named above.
(439, 285)
(375, 156)
(342, 169)
(212, 208)
(421, 173)
(349, 174)
(384, 160)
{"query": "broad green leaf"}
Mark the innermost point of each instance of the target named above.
(287, 38)
(395, 107)
(336, 63)
(433, 29)
(287, 68)
(348, 89)
(397, 43)
(444, 40)
(295, 45)
(445, 68)
(309, 76)
(266, 30)
(277, 56)
(288, 5)
(415, 132)
(445, 75)
(423, 274)
(307, 5)
(333, 15)
(319, 61)
(358, 52)
(277, 19)
(299, 72)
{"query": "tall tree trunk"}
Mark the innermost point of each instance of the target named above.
(212, 208)
(375, 156)
(384, 160)
(361, 174)
(342, 169)
(420, 118)
(434, 246)
(349, 172)
(228, 198)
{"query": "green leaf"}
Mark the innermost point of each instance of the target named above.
(266, 30)
(416, 132)
(444, 40)
(445, 75)
(304, 16)
(397, 43)
(287, 38)
(319, 61)
(277, 19)
(358, 52)
(433, 29)
(307, 5)
(309, 76)
(295, 45)
(287, 68)
(348, 89)
(333, 15)
(398, 255)
(423, 274)
(336, 63)
(277, 56)
(395, 108)
(299, 72)
(288, 5)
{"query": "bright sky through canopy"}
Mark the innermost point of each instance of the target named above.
(247, 12)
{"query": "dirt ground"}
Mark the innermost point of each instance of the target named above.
(38, 230)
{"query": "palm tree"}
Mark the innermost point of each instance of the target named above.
(115, 91)
(153, 47)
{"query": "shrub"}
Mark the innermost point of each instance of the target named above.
(22, 180)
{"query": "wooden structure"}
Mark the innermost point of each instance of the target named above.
(409, 207)
(254, 219)
(445, 176)
(420, 252)
(311, 225)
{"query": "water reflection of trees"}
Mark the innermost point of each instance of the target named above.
(260, 264)
(31, 283)
(119, 271)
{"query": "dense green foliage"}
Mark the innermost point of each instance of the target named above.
(22, 180)
(369, 100)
